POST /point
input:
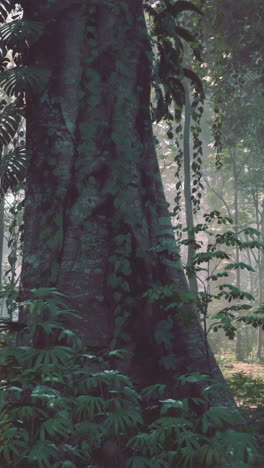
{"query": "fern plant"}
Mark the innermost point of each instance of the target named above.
(57, 406)
(190, 433)
(63, 406)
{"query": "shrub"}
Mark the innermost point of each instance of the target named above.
(247, 390)
(62, 406)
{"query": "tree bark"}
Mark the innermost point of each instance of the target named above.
(239, 340)
(96, 219)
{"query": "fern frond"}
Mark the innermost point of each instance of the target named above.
(154, 392)
(12, 169)
(23, 79)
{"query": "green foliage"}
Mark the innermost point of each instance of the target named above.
(209, 263)
(168, 296)
(164, 331)
(18, 34)
(54, 394)
(13, 169)
(175, 47)
(59, 406)
(230, 292)
(178, 439)
(6, 7)
(9, 122)
(58, 403)
(27, 79)
(16, 80)
(247, 390)
(226, 318)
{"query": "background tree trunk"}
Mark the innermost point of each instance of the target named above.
(188, 192)
(2, 212)
(96, 218)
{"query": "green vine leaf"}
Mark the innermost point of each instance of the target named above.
(186, 35)
(169, 362)
(231, 292)
(207, 256)
(195, 80)
(163, 333)
(241, 265)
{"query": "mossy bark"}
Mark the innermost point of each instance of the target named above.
(96, 219)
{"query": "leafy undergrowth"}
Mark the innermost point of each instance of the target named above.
(255, 425)
(248, 390)
(252, 369)
(61, 408)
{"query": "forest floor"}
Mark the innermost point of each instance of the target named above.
(252, 410)
(251, 369)
(250, 397)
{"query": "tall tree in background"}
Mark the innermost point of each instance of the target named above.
(236, 72)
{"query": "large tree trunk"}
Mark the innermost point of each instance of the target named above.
(96, 219)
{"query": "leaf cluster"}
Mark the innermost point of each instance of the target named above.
(168, 37)
(217, 265)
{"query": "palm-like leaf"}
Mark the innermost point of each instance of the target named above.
(17, 35)
(4, 62)
(10, 119)
(6, 6)
(2, 105)
(3, 49)
(12, 169)
(23, 79)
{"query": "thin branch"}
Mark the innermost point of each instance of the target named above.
(219, 196)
